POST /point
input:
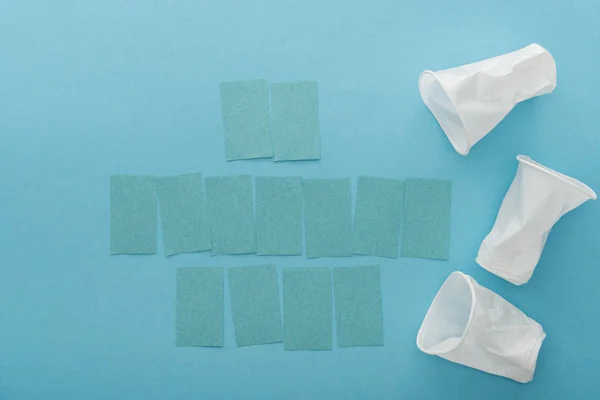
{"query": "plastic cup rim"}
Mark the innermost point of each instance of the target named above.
(467, 326)
(462, 151)
(562, 177)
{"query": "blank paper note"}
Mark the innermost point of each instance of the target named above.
(246, 120)
(183, 214)
(278, 216)
(358, 313)
(199, 313)
(132, 214)
(307, 315)
(295, 119)
(327, 217)
(230, 212)
(377, 217)
(255, 304)
(426, 224)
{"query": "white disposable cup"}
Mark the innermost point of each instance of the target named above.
(470, 100)
(473, 326)
(535, 201)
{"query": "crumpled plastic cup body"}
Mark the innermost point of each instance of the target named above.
(470, 100)
(471, 325)
(535, 201)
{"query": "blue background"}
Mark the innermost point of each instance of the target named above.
(94, 88)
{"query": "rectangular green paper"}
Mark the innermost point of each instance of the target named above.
(246, 119)
(255, 304)
(183, 214)
(358, 313)
(426, 224)
(132, 214)
(295, 119)
(230, 212)
(377, 217)
(307, 315)
(199, 313)
(278, 216)
(327, 217)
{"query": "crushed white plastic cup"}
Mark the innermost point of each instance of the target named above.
(470, 100)
(473, 326)
(535, 201)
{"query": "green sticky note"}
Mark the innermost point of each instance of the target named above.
(377, 217)
(246, 120)
(307, 315)
(295, 119)
(230, 212)
(199, 309)
(183, 214)
(278, 216)
(358, 313)
(327, 217)
(426, 224)
(132, 214)
(255, 304)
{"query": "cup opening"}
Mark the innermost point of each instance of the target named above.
(445, 112)
(567, 179)
(448, 317)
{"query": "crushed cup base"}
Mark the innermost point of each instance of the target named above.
(502, 273)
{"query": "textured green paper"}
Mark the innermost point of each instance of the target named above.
(327, 217)
(377, 217)
(358, 313)
(426, 224)
(255, 304)
(278, 216)
(295, 119)
(183, 214)
(307, 315)
(230, 212)
(199, 313)
(246, 120)
(132, 214)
